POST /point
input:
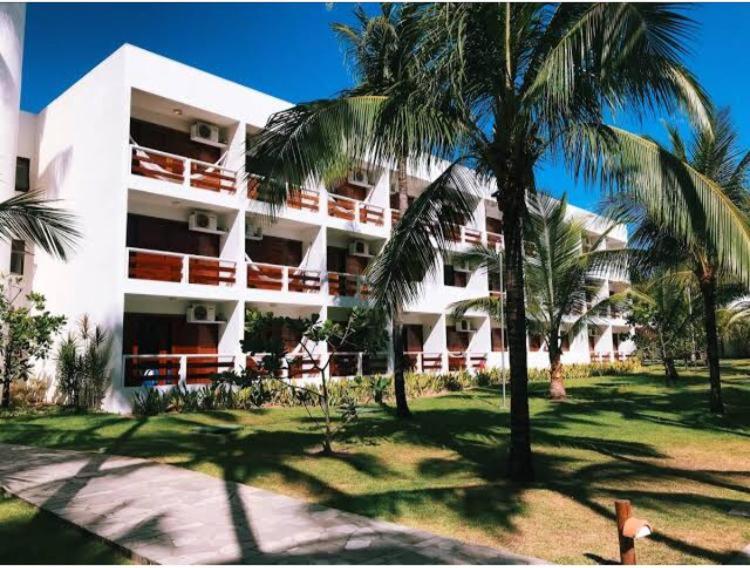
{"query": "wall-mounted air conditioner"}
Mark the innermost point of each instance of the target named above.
(462, 265)
(253, 232)
(359, 177)
(359, 248)
(205, 133)
(203, 222)
(464, 326)
(201, 313)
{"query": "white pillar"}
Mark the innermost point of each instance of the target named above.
(12, 21)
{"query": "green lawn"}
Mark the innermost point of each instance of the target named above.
(616, 437)
(31, 536)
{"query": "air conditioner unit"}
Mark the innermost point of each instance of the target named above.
(205, 133)
(464, 326)
(462, 265)
(203, 221)
(253, 232)
(359, 248)
(201, 313)
(359, 177)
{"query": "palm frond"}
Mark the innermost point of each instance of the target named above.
(422, 237)
(33, 218)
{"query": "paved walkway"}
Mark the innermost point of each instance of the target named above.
(170, 515)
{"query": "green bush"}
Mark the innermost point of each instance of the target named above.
(347, 393)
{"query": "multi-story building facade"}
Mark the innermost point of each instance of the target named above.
(150, 154)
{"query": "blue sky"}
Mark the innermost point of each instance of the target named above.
(288, 50)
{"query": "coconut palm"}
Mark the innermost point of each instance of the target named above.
(716, 155)
(382, 50)
(502, 87)
(556, 271)
(33, 218)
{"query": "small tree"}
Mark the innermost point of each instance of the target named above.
(364, 330)
(26, 333)
(83, 366)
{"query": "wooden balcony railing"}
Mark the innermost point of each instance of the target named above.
(350, 364)
(169, 369)
(264, 276)
(214, 272)
(294, 365)
(348, 285)
(191, 173)
(305, 199)
(466, 360)
(349, 209)
(144, 264)
(422, 362)
(494, 240)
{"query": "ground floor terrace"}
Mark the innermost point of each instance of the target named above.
(616, 437)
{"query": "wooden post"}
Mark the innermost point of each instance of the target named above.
(623, 511)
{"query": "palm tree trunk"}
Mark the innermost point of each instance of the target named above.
(399, 383)
(670, 371)
(512, 204)
(708, 291)
(556, 384)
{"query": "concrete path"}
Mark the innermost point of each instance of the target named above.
(170, 515)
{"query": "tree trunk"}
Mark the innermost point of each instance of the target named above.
(556, 384)
(708, 291)
(670, 370)
(6, 392)
(328, 434)
(512, 203)
(399, 383)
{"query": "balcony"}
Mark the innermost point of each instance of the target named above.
(168, 369)
(342, 284)
(301, 199)
(469, 236)
(358, 364)
(348, 209)
(466, 361)
(188, 172)
(422, 362)
(280, 278)
(294, 366)
(161, 266)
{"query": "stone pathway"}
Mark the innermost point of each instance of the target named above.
(170, 515)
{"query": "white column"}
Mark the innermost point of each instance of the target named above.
(12, 22)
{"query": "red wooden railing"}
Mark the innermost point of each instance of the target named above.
(154, 266)
(211, 272)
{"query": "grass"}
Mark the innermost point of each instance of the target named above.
(31, 536)
(616, 437)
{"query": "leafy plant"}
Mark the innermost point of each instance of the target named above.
(26, 333)
(83, 372)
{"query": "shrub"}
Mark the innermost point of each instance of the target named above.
(150, 402)
(29, 393)
(83, 373)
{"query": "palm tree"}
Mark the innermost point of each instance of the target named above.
(715, 154)
(660, 310)
(33, 218)
(556, 271)
(502, 87)
(383, 52)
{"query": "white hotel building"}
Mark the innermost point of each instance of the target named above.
(149, 154)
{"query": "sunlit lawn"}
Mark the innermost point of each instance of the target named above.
(616, 437)
(31, 536)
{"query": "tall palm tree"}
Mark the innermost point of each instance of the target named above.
(33, 218)
(716, 155)
(556, 271)
(660, 310)
(502, 87)
(383, 52)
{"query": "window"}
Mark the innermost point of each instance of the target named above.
(23, 167)
(17, 256)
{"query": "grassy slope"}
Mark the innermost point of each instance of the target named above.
(30, 536)
(616, 437)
